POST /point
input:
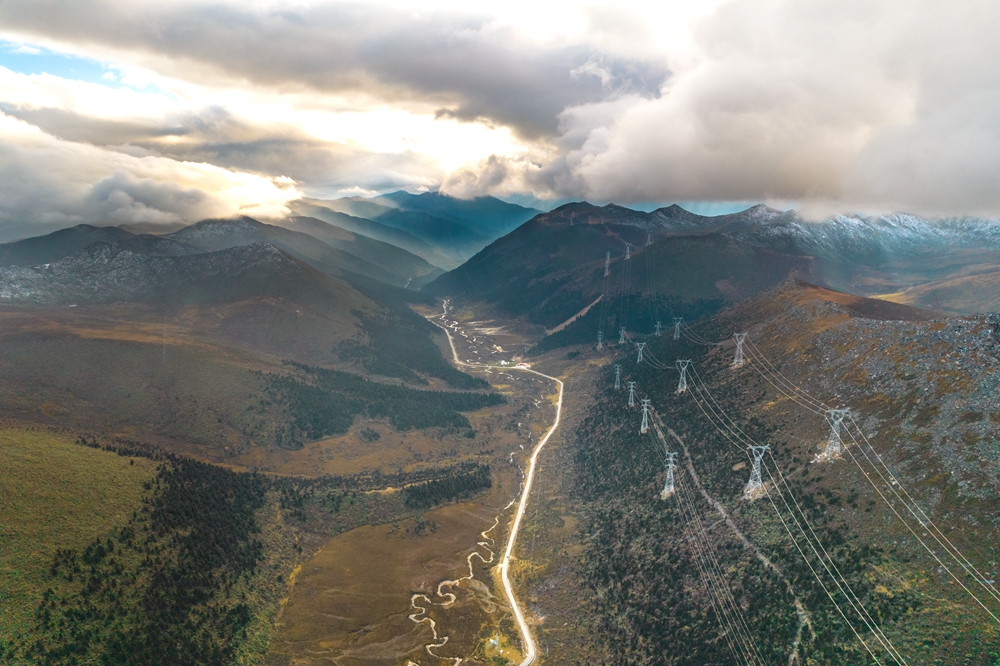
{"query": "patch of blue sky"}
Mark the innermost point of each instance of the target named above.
(706, 208)
(29, 59)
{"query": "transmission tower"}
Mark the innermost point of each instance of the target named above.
(607, 265)
(641, 346)
(645, 417)
(738, 361)
(631, 394)
(833, 446)
(618, 377)
(621, 335)
(682, 385)
(668, 487)
(657, 329)
(754, 485)
(677, 327)
(600, 339)
(628, 250)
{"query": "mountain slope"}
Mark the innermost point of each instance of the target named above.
(408, 269)
(927, 410)
(110, 273)
(214, 235)
(551, 267)
(487, 215)
(253, 296)
(60, 244)
(374, 230)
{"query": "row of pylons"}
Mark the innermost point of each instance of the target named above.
(657, 329)
(755, 486)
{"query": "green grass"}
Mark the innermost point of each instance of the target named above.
(55, 494)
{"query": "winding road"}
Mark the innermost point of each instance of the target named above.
(530, 649)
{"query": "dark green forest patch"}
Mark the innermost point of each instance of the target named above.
(448, 489)
(399, 344)
(321, 403)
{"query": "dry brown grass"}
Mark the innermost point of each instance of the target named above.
(351, 599)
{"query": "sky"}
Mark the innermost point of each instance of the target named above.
(115, 111)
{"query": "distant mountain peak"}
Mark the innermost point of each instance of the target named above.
(761, 212)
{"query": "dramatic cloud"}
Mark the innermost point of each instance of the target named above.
(463, 65)
(878, 104)
(46, 184)
(818, 104)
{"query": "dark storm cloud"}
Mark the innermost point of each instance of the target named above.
(462, 63)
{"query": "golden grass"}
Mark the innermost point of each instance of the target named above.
(55, 494)
(350, 601)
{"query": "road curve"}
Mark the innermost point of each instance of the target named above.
(531, 651)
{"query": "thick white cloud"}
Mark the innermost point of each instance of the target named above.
(823, 104)
(47, 183)
(879, 104)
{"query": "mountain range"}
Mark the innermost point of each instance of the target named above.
(552, 267)
(443, 230)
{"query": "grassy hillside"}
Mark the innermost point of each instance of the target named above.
(124, 554)
(654, 566)
(548, 271)
(407, 269)
(255, 297)
(57, 496)
(219, 399)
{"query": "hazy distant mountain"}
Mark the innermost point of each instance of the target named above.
(59, 244)
(487, 215)
(455, 229)
(408, 269)
(213, 235)
(449, 236)
(376, 231)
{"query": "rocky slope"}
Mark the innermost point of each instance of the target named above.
(105, 273)
(60, 244)
(677, 581)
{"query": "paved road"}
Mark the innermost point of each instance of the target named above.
(530, 649)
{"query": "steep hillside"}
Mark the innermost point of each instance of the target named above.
(255, 296)
(408, 269)
(214, 235)
(445, 234)
(376, 231)
(551, 268)
(488, 215)
(60, 244)
(883, 551)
